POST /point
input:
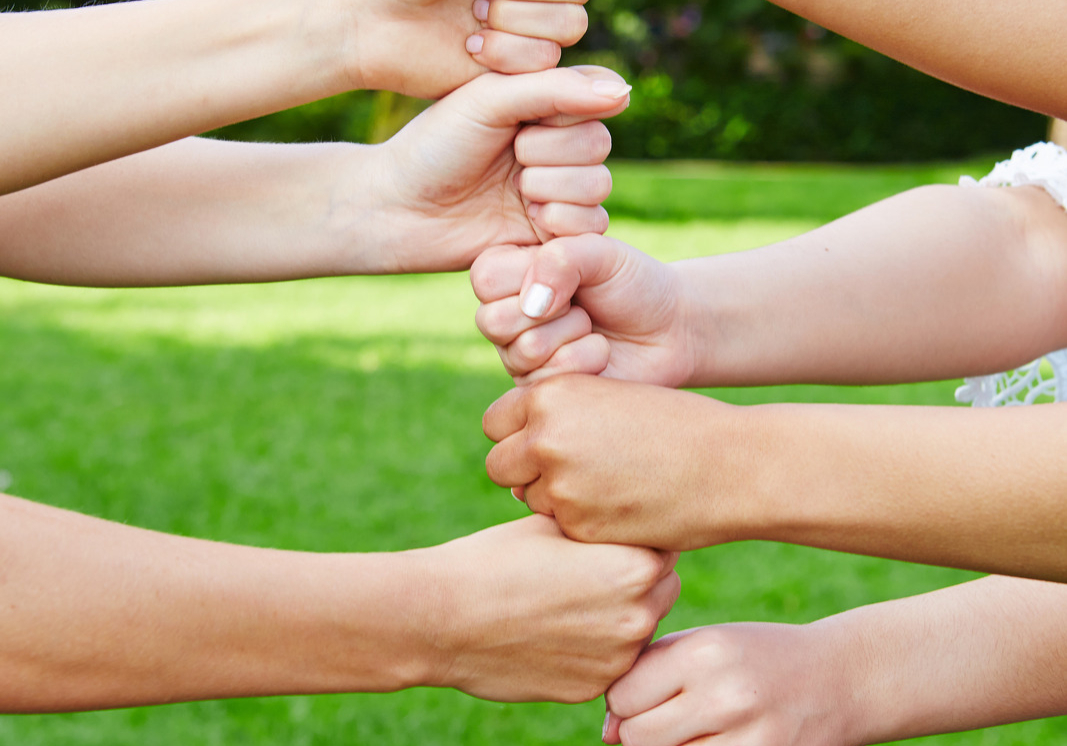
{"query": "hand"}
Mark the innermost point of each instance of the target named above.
(529, 615)
(448, 184)
(428, 48)
(769, 684)
(622, 462)
(584, 304)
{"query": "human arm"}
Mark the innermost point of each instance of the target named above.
(938, 282)
(983, 653)
(430, 199)
(1007, 51)
(98, 614)
(631, 463)
(89, 85)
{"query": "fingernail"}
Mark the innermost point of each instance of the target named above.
(481, 10)
(517, 492)
(611, 89)
(604, 730)
(475, 44)
(533, 209)
(537, 300)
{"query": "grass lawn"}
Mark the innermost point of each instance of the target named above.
(344, 415)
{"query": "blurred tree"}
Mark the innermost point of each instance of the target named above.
(729, 79)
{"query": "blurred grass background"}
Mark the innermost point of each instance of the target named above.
(344, 415)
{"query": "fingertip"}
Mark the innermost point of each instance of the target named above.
(536, 300)
(610, 733)
(475, 43)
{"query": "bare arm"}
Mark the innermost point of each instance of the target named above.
(980, 654)
(1009, 51)
(623, 462)
(431, 199)
(98, 614)
(89, 85)
(938, 282)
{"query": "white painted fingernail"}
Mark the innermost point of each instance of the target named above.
(611, 89)
(604, 730)
(537, 300)
(481, 10)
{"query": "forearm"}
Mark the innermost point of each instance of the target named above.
(973, 488)
(939, 282)
(197, 211)
(99, 615)
(88, 85)
(980, 654)
(1008, 51)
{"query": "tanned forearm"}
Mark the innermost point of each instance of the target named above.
(97, 614)
(1009, 51)
(969, 488)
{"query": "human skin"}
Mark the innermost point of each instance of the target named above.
(149, 618)
(1005, 50)
(430, 199)
(946, 661)
(134, 76)
(627, 462)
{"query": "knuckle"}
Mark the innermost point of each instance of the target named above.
(573, 23)
(529, 349)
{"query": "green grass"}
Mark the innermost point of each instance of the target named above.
(344, 415)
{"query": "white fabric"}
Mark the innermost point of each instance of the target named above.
(1043, 165)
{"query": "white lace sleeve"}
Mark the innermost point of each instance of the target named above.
(1045, 379)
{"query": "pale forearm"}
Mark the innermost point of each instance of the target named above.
(197, 211)
(971, 488)
(980, 654)
(935, 283)
(100, 615)
(88, 85)
(1008, 51)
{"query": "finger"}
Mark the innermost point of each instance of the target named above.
(510, 53)
(563, 265)
(505, 416)
(509, 465)
(584, 144)
(670, 561)
(578, 185)
(588, 355)
(665, 594)
(498, 272)
(596, 73)
(652, 681)
(673, 722)
(562, 22)
(497, 100)
(562, 219)
(502, 321)
(611, 729)
(534, 347)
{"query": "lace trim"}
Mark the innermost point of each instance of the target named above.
(1045, 165)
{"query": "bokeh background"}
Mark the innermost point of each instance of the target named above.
(344, 414)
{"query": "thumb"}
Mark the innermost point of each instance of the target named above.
(562, 96)
(563, 265)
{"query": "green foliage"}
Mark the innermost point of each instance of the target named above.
(344, 415)
(743, 79)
